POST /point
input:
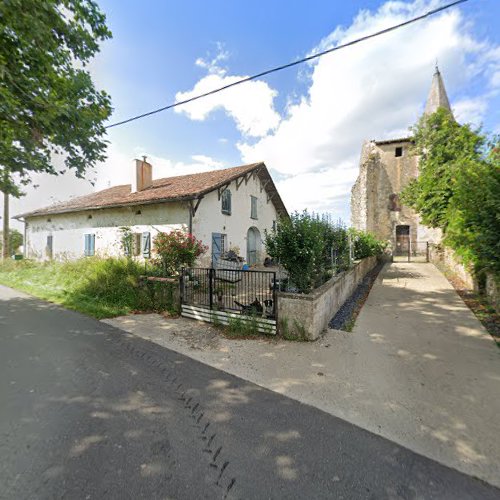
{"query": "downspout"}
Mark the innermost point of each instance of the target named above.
(190, 228)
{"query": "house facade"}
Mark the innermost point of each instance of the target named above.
(225, 209)
(386, 167)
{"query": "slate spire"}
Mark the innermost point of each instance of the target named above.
(437, 97)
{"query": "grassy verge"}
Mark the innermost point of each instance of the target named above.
(101, 288)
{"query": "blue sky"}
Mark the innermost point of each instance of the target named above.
(306, 123)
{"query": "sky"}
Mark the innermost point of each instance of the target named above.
(306, 123)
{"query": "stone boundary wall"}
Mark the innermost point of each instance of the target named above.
(307, 315)
(446, 257)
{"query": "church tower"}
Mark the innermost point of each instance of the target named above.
(386, 167)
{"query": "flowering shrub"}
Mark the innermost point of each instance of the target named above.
(177, 249)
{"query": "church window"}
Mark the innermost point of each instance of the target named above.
(398, 151)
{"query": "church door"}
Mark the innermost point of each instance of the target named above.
(402, 240)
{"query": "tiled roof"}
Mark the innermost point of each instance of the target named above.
(183, 187)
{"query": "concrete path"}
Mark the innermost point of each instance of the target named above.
(418, 368)
(89, 411)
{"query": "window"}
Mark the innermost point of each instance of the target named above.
(226, 202)
(398, 151)
(146, 245)
(89, 245)
(253, 207)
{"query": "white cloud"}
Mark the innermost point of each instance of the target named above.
(250, 105)
(470, 110)
(371, 90)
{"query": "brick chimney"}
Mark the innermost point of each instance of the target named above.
(143, 177)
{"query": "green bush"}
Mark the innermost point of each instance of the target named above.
(100, 287)
(312, 248)
(366, 244)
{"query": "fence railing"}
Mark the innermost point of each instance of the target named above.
(247, 292)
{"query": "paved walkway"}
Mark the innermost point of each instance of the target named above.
(418, 369)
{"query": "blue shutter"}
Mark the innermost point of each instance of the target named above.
(146, 245)
(89, 245)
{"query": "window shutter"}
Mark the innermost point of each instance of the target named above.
(146, 245)
(89, 245)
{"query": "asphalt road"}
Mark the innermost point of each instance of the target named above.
(88, 411)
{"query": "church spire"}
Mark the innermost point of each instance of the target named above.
(437, 95)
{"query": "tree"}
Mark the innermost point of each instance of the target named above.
(474, 217)
(49, 104)
(445, 148)
(15, 241)
(458, 188)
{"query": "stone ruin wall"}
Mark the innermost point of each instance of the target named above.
(382, 174)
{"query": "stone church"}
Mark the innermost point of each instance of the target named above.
(386, 167)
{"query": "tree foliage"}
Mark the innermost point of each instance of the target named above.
(15, 241)
(48, 102)
(458, 187)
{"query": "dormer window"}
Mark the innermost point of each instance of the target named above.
(399, 151)
(226, 202)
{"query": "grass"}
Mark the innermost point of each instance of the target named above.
(99, 287)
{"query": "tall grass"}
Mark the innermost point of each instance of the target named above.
(100, 287)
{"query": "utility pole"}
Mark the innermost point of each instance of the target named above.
(5, 234)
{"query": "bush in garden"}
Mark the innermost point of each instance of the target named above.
(177, 249)
(312, 248)
(366, 244)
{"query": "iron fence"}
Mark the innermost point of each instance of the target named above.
(248, 292)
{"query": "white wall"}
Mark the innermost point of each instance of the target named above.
(210, 219)
(68, 230)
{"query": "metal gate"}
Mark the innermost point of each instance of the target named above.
(220, 295)
(410, 251)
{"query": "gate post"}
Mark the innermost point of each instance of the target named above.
(409, 249)
(181, 289)
(211, 288)
(427, 252)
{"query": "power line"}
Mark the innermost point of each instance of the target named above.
(289, 65)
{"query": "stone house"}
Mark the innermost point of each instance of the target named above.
(228, 208)
(386, 167)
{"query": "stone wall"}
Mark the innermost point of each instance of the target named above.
(444, 256)
(382, 176)
(307, 315)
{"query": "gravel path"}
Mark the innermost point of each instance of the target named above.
(348, 313)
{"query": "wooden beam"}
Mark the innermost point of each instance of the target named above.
(194, 207)
(263, 185)
(239, 182)
(221, 190)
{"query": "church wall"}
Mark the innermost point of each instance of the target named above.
(374, 207)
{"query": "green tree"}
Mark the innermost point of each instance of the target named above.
(474, 216)
(48, 102)
(445, 148)
(458, 188)
(15, 241)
